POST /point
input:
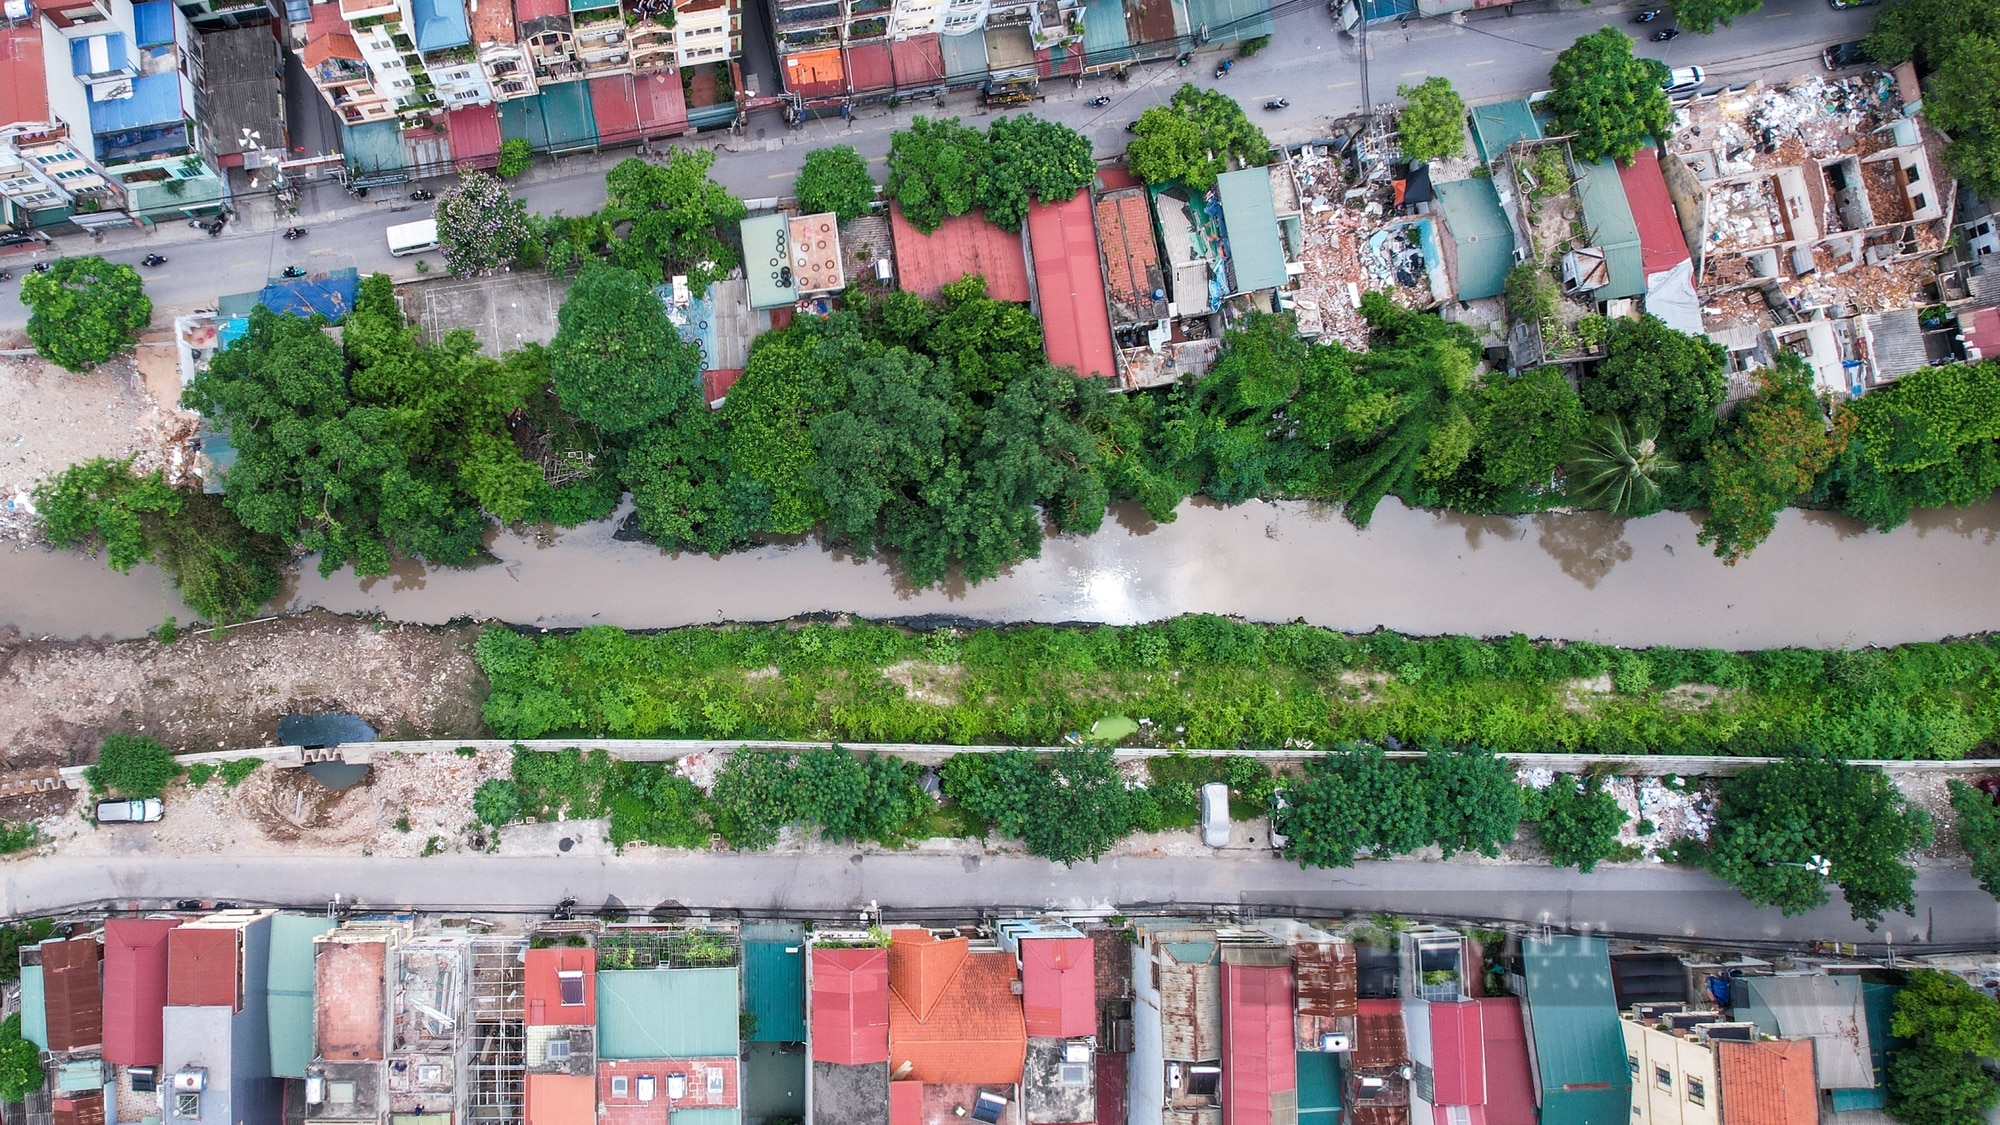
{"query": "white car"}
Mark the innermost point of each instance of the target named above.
(1683, 80)
(1215, 814)
(129, 812)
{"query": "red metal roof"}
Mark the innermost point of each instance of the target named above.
(716, 381)
(1769, 1082)
(1458, 1054)
(1069, 280)
(850, 1005)
(662, 104)
(1661, 244)
(906, 1103)
(135, 988)
(1510, 1087)
(203, 967)
(953, 1014)
(965, 244)
(542, 981)
(72, 993)
(815, 74)
(1257, 1059)
(1111, 177)
(474, 133)
(24, 83)
(919, 61)
(869, 67)
(1059, 986)
(1982, 331)
(617, 111)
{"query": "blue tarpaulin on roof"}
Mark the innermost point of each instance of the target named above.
(155, 100)
(154, 22)
(330, 296)
(116, 54)
(440, 24)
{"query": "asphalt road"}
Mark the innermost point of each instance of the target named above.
(1310, 61)
(1650, 901)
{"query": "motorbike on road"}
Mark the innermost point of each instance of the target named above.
(294, 271)
(1666, 35)
(1225, 67)
(423, 195)
(1277, 103)
(1647, 16)
(292, 233)
(1100, 101)
(153, 260)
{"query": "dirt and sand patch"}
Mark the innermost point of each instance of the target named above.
(53, 419)
(58, 699)
(925, 682)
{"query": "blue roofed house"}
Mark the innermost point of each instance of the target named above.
(127, 71)
(1579, 1046)
(443, 35)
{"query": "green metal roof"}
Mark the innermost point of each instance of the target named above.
(289, 980)
(80, 1076)
(1480, 236)
(1500, 124)
(766, 251)
(1319, 1087)
(707, 1117)
(774, 989)
(1250, 221)
(1573, 1017)
(668, 1013)
(1608, 214)
(34, 1007)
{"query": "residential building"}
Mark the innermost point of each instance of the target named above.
(848, 1031)
(1379, 1070)
(561, 1035)
(601, 43)
(289, 991)
(550, 38)
(501, 51)
(669, 1037)
(352, 971)
(1175, 1075)
(707, 31)
(1579, 1050)
(333, 60)
(1259, 1067)
(135, 991)
(62, 995)
(1696, 1068)
(961, 245)
(1260, 249)
(215, 1030)
(957, 1033)
(47, 171)
(1829, 1011)
(1059, 1005)
(1070, 296)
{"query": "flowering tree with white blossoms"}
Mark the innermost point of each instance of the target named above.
(480, 225)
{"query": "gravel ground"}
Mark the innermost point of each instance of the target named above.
(51, 419)
(225, 689)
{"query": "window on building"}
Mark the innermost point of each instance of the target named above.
(557, 1050)
(571, 983)
(1663, 1078)
(1982, 230)
(1911, 173)
(620, 1086)
(1697, 1091)
(714, 1081)
(1918, 201)
(1632, 1065)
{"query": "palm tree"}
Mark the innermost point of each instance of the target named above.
(1619, 467)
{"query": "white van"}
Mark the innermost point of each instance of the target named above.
(419, 237)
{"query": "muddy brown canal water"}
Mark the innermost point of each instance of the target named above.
(1820, 580)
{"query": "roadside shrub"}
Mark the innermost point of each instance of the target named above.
(199, 774)
(1977, 820)
(233, 772)
(18, 837)
(516, 155)
(132, 766)
(497, 802)
(1576, 821)
(20, 1062)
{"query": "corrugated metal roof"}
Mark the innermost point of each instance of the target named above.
(1898, 343)
(1828, 1010)
(850, 1006)
(1482, 242)
(77, 1109)
(1190, 1001)
(1579, 1051)
(1500, 124)
(1510, 1083)
(153, 23)
(135, 988)
(1250, 226)
(1325, 978)
(288, 981)
(1069, 286)
(1458, 1054)
(1608, 215)
(774, 989)
(203, 965)
(766, 254)
(24, 83)
(474, 132)
(814, 74)
(1877, 1002)
(616, 107)
(668, 1013)
(1059, 987)
(1259, 1074)
(1319, 1086)
(542, 979)
(711, 1115)
(73, 993)
(1661, 243)
(34, 1007)
(441, 24)
(964, 244)
(1378, 1040)
(662, 103)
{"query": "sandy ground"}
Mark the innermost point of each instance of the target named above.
(51, 419)
(226, 689)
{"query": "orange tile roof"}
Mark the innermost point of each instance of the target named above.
(1769, 1082)
(330, 40)
(561, 1099)
(953, 1014)
(492, 21)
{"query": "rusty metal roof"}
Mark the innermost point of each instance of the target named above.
(73, 994)
(1326, 978)
(1190, 1007)
(1380, 1041)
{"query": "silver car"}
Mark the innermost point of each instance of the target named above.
(143, 811)
(1215, 814)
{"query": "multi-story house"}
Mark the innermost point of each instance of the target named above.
(706, 31)
(48, 172)
(444, 43)
(334, 62)
(550, 38)
(419, 53)
(500, 50)
(602, 46)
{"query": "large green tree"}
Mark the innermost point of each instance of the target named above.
(1958, 46)
(1976, 819)
(1067, 806)
(936, 170)
(1432, 124)
(1608, 99)
(616, 360)
(835, 179)
(20, 1062)
(1193, 139)
(1703, 15)
(85, 310)
(1768, 455)
(1660, 379)
(1775, 824)
(1931, 439)
(673, 218)
(1032, 158)
(1943, 1028)
(1526, 423)
(793, 377)
(1620, 467)
(480, 225)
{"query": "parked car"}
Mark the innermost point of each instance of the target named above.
(1843, 55)
(1215, 814)
(129, 812)
(1837, 5)
(1683, 80)
(1281, 803)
